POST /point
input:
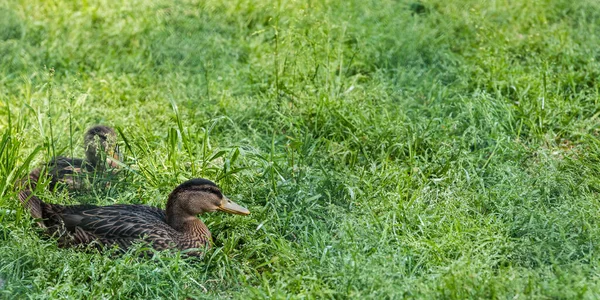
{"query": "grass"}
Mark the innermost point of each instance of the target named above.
(386, 149)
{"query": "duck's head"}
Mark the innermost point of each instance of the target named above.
(101, 145)
(197, 196)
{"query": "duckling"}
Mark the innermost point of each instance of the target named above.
(101, 154)
(176, 227)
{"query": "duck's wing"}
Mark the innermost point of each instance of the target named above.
(119, 225)
(66, 170)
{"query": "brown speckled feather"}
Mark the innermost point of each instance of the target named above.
(120, 225)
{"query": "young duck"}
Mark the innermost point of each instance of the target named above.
(177, 227)
(101, 154)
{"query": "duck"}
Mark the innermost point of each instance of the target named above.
(122, 225)
(101, 155)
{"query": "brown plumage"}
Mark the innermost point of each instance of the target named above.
(177, 227)
(101, 154)
(99, 143)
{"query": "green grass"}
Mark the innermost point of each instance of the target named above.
(386, 149)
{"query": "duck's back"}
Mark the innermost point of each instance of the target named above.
(120, 225)
(68, 170)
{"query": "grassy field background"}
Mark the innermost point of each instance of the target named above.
(386, 149)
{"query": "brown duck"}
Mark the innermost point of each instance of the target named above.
(101, 154)
(177, 227)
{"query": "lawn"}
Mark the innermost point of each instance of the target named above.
(386, 149)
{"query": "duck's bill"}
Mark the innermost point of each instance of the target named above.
(114, 157)
(117, 154)
(232, 207)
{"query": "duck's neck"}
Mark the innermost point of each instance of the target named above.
(189, 225)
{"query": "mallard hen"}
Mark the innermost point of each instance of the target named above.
(101, 154)
(177, 227)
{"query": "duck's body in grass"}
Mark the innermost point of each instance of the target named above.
(177, 227)
(101, 153)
